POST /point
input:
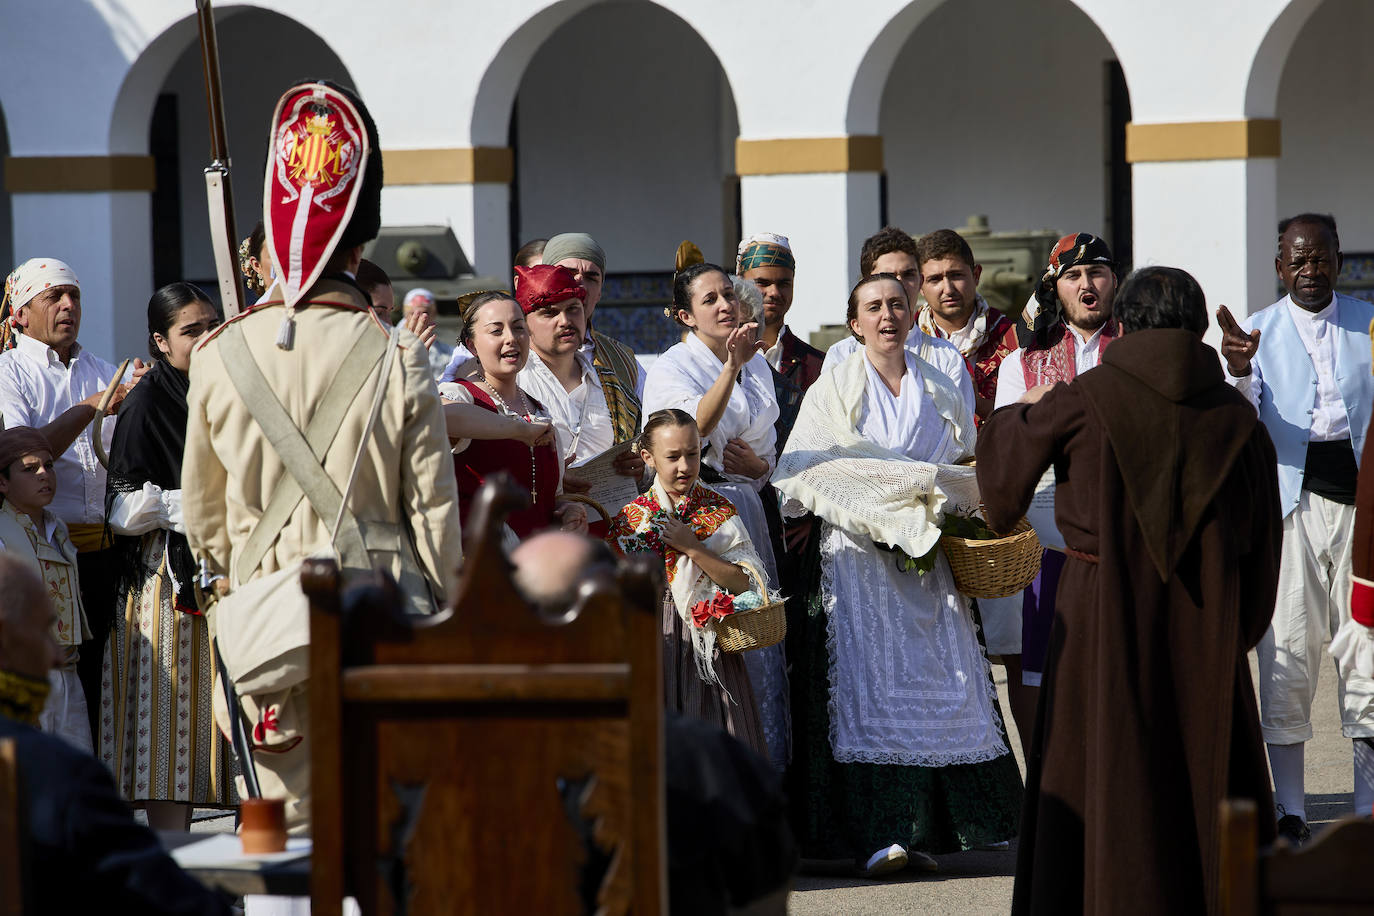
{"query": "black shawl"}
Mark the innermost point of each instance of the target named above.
(149, 440)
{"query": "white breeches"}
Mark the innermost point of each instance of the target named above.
(1313, 600)
(64, 715)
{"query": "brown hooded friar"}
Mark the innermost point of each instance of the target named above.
(1168, 502)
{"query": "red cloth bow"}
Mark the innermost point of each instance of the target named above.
(721, 604)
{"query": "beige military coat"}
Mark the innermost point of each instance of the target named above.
(406, 479)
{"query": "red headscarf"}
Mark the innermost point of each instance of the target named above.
(545, 284)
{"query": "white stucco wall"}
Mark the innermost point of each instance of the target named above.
(443, 74)
(1325, 99)
(978, 116)
(633, 146)
(282, 51)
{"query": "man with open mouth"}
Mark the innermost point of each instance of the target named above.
(1073, 326)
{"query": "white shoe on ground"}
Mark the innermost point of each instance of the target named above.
(885, 861)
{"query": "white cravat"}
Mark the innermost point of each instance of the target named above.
(1318, 333)
(774, 353)
(1087, 351)
(581, 419)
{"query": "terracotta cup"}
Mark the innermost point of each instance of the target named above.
(262, 826)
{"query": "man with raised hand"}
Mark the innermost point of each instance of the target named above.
(1304, 362)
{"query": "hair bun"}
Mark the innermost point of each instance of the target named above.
(687, 255)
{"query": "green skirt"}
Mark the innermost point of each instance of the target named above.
(851, 810)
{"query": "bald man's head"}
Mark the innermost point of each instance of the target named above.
(26, 619)
(550, 565)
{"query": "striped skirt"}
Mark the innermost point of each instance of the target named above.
(157, 734)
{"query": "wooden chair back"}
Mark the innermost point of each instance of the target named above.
(11, 833)
(1326, 877)
(491, 758)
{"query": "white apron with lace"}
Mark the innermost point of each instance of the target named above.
(909, 683)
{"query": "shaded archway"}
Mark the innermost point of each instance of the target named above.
(161, 112)
(1016, 111)
(1323, 101)
(640, 184)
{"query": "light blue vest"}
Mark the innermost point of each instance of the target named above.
(1289, 384)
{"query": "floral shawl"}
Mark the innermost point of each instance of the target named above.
(639, 526)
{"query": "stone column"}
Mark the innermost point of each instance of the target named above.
(466, 188)
(823, 194)
(95, 213)
(1205, 201)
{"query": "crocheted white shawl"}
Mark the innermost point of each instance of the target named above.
(830, 469)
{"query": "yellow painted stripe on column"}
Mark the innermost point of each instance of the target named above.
(805, 155)
(1254, 138)
(456, 165)
(55, 174)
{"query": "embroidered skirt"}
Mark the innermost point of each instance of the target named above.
(729, 705)
(157, 734)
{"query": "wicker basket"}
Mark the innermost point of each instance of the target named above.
(994, 568)
(589, 503)
(757, 629)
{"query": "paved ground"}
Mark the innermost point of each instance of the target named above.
(980, 882)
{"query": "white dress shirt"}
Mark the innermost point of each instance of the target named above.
(581, 419)
(774, 353)
(1011, 377)
(35, 389)
(1318, 333)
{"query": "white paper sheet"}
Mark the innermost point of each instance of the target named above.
(613, 491)
(1041, 513)
(225, 850)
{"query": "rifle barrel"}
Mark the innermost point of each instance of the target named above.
(214, 97)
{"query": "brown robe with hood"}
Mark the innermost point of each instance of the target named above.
(1168, 490)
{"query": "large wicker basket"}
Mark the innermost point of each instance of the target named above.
(994, 568)
(757, 629)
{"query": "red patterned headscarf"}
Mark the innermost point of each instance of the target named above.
(1075, 249)
(545, 284)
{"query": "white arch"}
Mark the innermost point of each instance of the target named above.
(866, 90)
(1262, 85)
(133, 105)
(500, 80)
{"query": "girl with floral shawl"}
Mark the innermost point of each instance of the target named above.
(709, 561)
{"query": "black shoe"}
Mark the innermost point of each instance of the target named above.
(1295, 830)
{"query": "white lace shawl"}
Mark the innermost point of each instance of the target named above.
(691, 584)
(681, 376)
(833, 470)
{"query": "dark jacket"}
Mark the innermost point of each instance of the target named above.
(84, 852)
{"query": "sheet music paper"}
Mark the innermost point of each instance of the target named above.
(1041, 513)
(613, 491)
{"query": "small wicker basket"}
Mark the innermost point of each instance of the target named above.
(759, 628)
(589, 503)
(994, 568)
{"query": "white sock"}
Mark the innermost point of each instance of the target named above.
(1286, 762)
(1364, 777)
